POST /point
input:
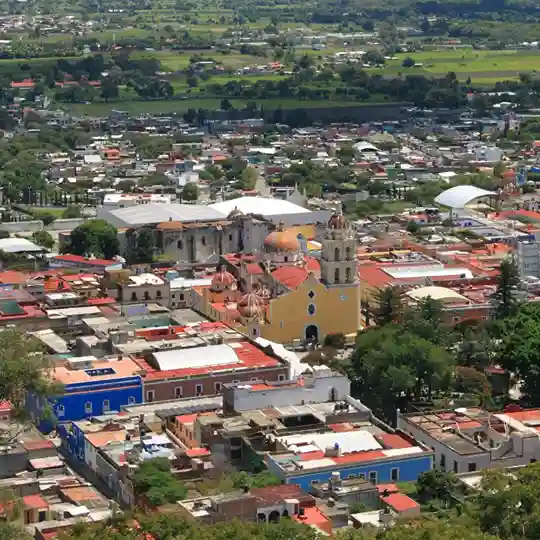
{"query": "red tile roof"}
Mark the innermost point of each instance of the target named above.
(291, 276)
(391, 440)
(250, 356)
(84, 260)
(11, 276)
(400, 502)
(354, 457)
(35, 501)
(40, 444)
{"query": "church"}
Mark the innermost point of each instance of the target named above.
(284, 295)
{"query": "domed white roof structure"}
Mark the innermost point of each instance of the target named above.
(461, 196)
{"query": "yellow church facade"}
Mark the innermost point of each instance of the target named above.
(311, 312)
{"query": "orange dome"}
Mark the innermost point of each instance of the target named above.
(337, 221)
(282, 240)
(250, 305)
(223, 279)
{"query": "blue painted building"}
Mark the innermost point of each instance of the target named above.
(380, 458)
(91, 388)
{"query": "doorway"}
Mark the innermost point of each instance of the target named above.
(312, 333)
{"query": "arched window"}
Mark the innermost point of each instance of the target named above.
(146, 295)
(348, 275)
(336, 254)
(134, 297)
(180, 244)
(349, 253)
(158, 294)
(336, 275)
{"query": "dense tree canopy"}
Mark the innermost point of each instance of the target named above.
(95, 237)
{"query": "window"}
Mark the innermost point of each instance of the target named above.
(133, 297)
(88, 407)
(373, 477)
(230, 237)
(217, 387)
(311, 294)
(131, 400)
(254, 331)
(281, 377)
(60, 411)
(106, 405)
(311, 309)
(394, 474)
(198, 389)
(362, 476)
(281, 324)
(471, 467)
(178, 392)
(336, 275)
(203, 240)
(181, 297)
(42, 515)
(146, 295)
(254, 379)
(150, 396)
(443, 462)
(158, 294)
(336, 254)
(180, 244)
(533, 460)
(456, 467)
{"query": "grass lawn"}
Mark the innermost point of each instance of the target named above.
(42, 210)
(397, 206)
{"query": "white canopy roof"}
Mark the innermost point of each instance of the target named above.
(461, 196)
(437, 293)
(259, 205)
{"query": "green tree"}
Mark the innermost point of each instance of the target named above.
(144, 246)
(388, 305)
(518, 348)
(25, 369)
(391, 364)
(95, 237)
(109, 88)
(335, 340)
(72, 212)
(190, 192)
(408, 62)
(436, 485)
(10, 531)
(505, 297)
(43, 238)
(249, 178)
(153, 479)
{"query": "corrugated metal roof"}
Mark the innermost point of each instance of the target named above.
(144, 214)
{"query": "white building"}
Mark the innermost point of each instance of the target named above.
(112, 201)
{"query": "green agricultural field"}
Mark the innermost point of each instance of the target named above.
(177, 60)
(488, 66)
(181, 106)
